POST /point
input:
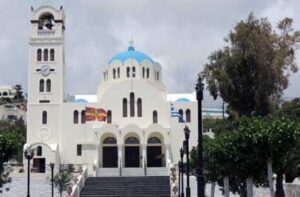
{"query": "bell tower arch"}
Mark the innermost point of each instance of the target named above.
(47, 56)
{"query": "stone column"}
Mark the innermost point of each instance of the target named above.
(97, 155)
(144, 155)
(120, 163)
(168, 161)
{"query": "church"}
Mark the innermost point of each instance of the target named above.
(130, 125)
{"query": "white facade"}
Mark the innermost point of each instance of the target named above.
(140, 131)
(7, 91)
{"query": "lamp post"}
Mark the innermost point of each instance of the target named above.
(181, 166)
(199, 166)
(28, 153)
(187, 137)
(52, 188)
(179, 177)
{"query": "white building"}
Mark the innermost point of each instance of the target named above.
(139, 131)
(7, 91)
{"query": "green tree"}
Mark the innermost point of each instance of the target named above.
(12, 140)
(251, 72)
(291, 110)
(255, 144)
(62, 180)
(19, 93)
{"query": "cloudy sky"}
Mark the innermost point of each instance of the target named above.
(180, 34)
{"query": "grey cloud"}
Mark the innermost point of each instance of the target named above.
(178, 34)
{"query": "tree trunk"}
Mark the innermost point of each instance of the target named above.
(270, 178)
(250, 186)
(226, 186)
(212, 190)
(279, 185)
(243, 189)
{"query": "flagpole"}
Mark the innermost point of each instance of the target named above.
(85, 128)
(171, 132)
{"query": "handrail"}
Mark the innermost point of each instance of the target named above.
(80, 183)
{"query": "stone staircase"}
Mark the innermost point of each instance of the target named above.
(142, 186)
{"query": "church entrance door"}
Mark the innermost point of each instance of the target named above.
(132, 156)
(110, 157)
(39, 165)
(154, 156)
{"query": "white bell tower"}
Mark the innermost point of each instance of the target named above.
(47, 56)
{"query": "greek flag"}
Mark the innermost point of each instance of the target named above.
(175, 113)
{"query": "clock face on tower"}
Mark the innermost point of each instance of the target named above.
(45, 70)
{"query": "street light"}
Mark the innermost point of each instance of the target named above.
(199, 167)
(179, 177)
(181, 169)
(52, 168)
(28, 153)
(187, 137)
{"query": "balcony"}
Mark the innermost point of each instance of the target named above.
(46, 33)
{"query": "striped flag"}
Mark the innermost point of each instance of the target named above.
(101, 114)
(92, 114)
(175, 113)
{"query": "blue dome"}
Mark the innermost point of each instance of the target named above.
(81, 101)
(182, 100)
(131, 53)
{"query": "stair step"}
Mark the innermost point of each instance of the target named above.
(131, 186)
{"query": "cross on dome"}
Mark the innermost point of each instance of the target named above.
(131, 45)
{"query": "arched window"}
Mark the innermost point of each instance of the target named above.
(143, 72)
(133, 72)
(83, 116)
(45, 54)
(154, 116)
(52, 55)
(128, 72)
(118, 72)
(154, 140)
(157, 76)
(181, 115)
(114, 73)
(42, 85)
(109, 117)
(5, 94)
(75, 117)
(124, 107)
(39, 55)
(110, 140)
(131, 104)
(44, 117)
(148, 73)
(39, 151)
(139, 107)
(188, 115)
(48, 85)
(132, 140)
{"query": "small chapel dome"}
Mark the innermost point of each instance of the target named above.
(182, 100)
(131, 53)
